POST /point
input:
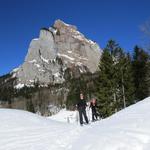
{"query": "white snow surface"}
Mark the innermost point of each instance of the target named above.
(66, 56)
(19, 86)
(57, 74)
(45, 60)
(33, 61)
(15, 70)
(128, 129)
(66, 116)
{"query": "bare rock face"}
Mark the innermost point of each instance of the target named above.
(72, 43)
(57, 48)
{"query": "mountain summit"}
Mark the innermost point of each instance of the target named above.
(59, 63)
(58, 48)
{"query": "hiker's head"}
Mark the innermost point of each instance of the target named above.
(93, 100)
(81, 96)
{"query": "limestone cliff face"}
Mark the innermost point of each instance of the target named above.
(57, 48)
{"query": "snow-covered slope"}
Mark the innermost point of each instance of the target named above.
(126, 130)
(20, 130)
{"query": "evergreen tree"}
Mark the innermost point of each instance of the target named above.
(77, 85)
(148, 76)
(118, 55)
(115, 86)
(105, 84)
(141, 71)
(30, 106)
(124, 81)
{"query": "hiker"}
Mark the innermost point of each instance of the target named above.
(93, 106)
(81, 106)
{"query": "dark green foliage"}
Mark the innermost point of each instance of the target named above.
(27, 91)
(148, 76)
(72, 98)
(76, 86)
(128, 80)
(105, 84)
(115, 88)
(84, 84)
(141, 71)
(119, 82)
(124, 81)
(30, 106)
(6, 95)
(7, 91)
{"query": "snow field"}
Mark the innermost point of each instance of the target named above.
(128, 129)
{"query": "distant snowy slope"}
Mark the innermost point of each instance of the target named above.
(128, 129)
(66, 116)
(69, 116)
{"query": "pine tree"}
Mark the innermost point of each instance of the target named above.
(105, 84)
(118, 55)
(124, 81)
(141, 71)
(115, 86)
(148, 75)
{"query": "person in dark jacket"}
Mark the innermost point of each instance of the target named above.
(81, 106)
(93, 106)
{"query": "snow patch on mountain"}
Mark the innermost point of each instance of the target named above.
(45, 60)
(33, 61)
(19, 86)
(15, 70)
(66, 56)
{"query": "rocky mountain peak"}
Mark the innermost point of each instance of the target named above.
(59, 24)
(58, 48)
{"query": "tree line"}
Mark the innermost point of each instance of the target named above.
(124, 78)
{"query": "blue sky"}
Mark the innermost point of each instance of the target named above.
(99, 20)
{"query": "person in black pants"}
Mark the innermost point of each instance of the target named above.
(81, 106)
(93, 106)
